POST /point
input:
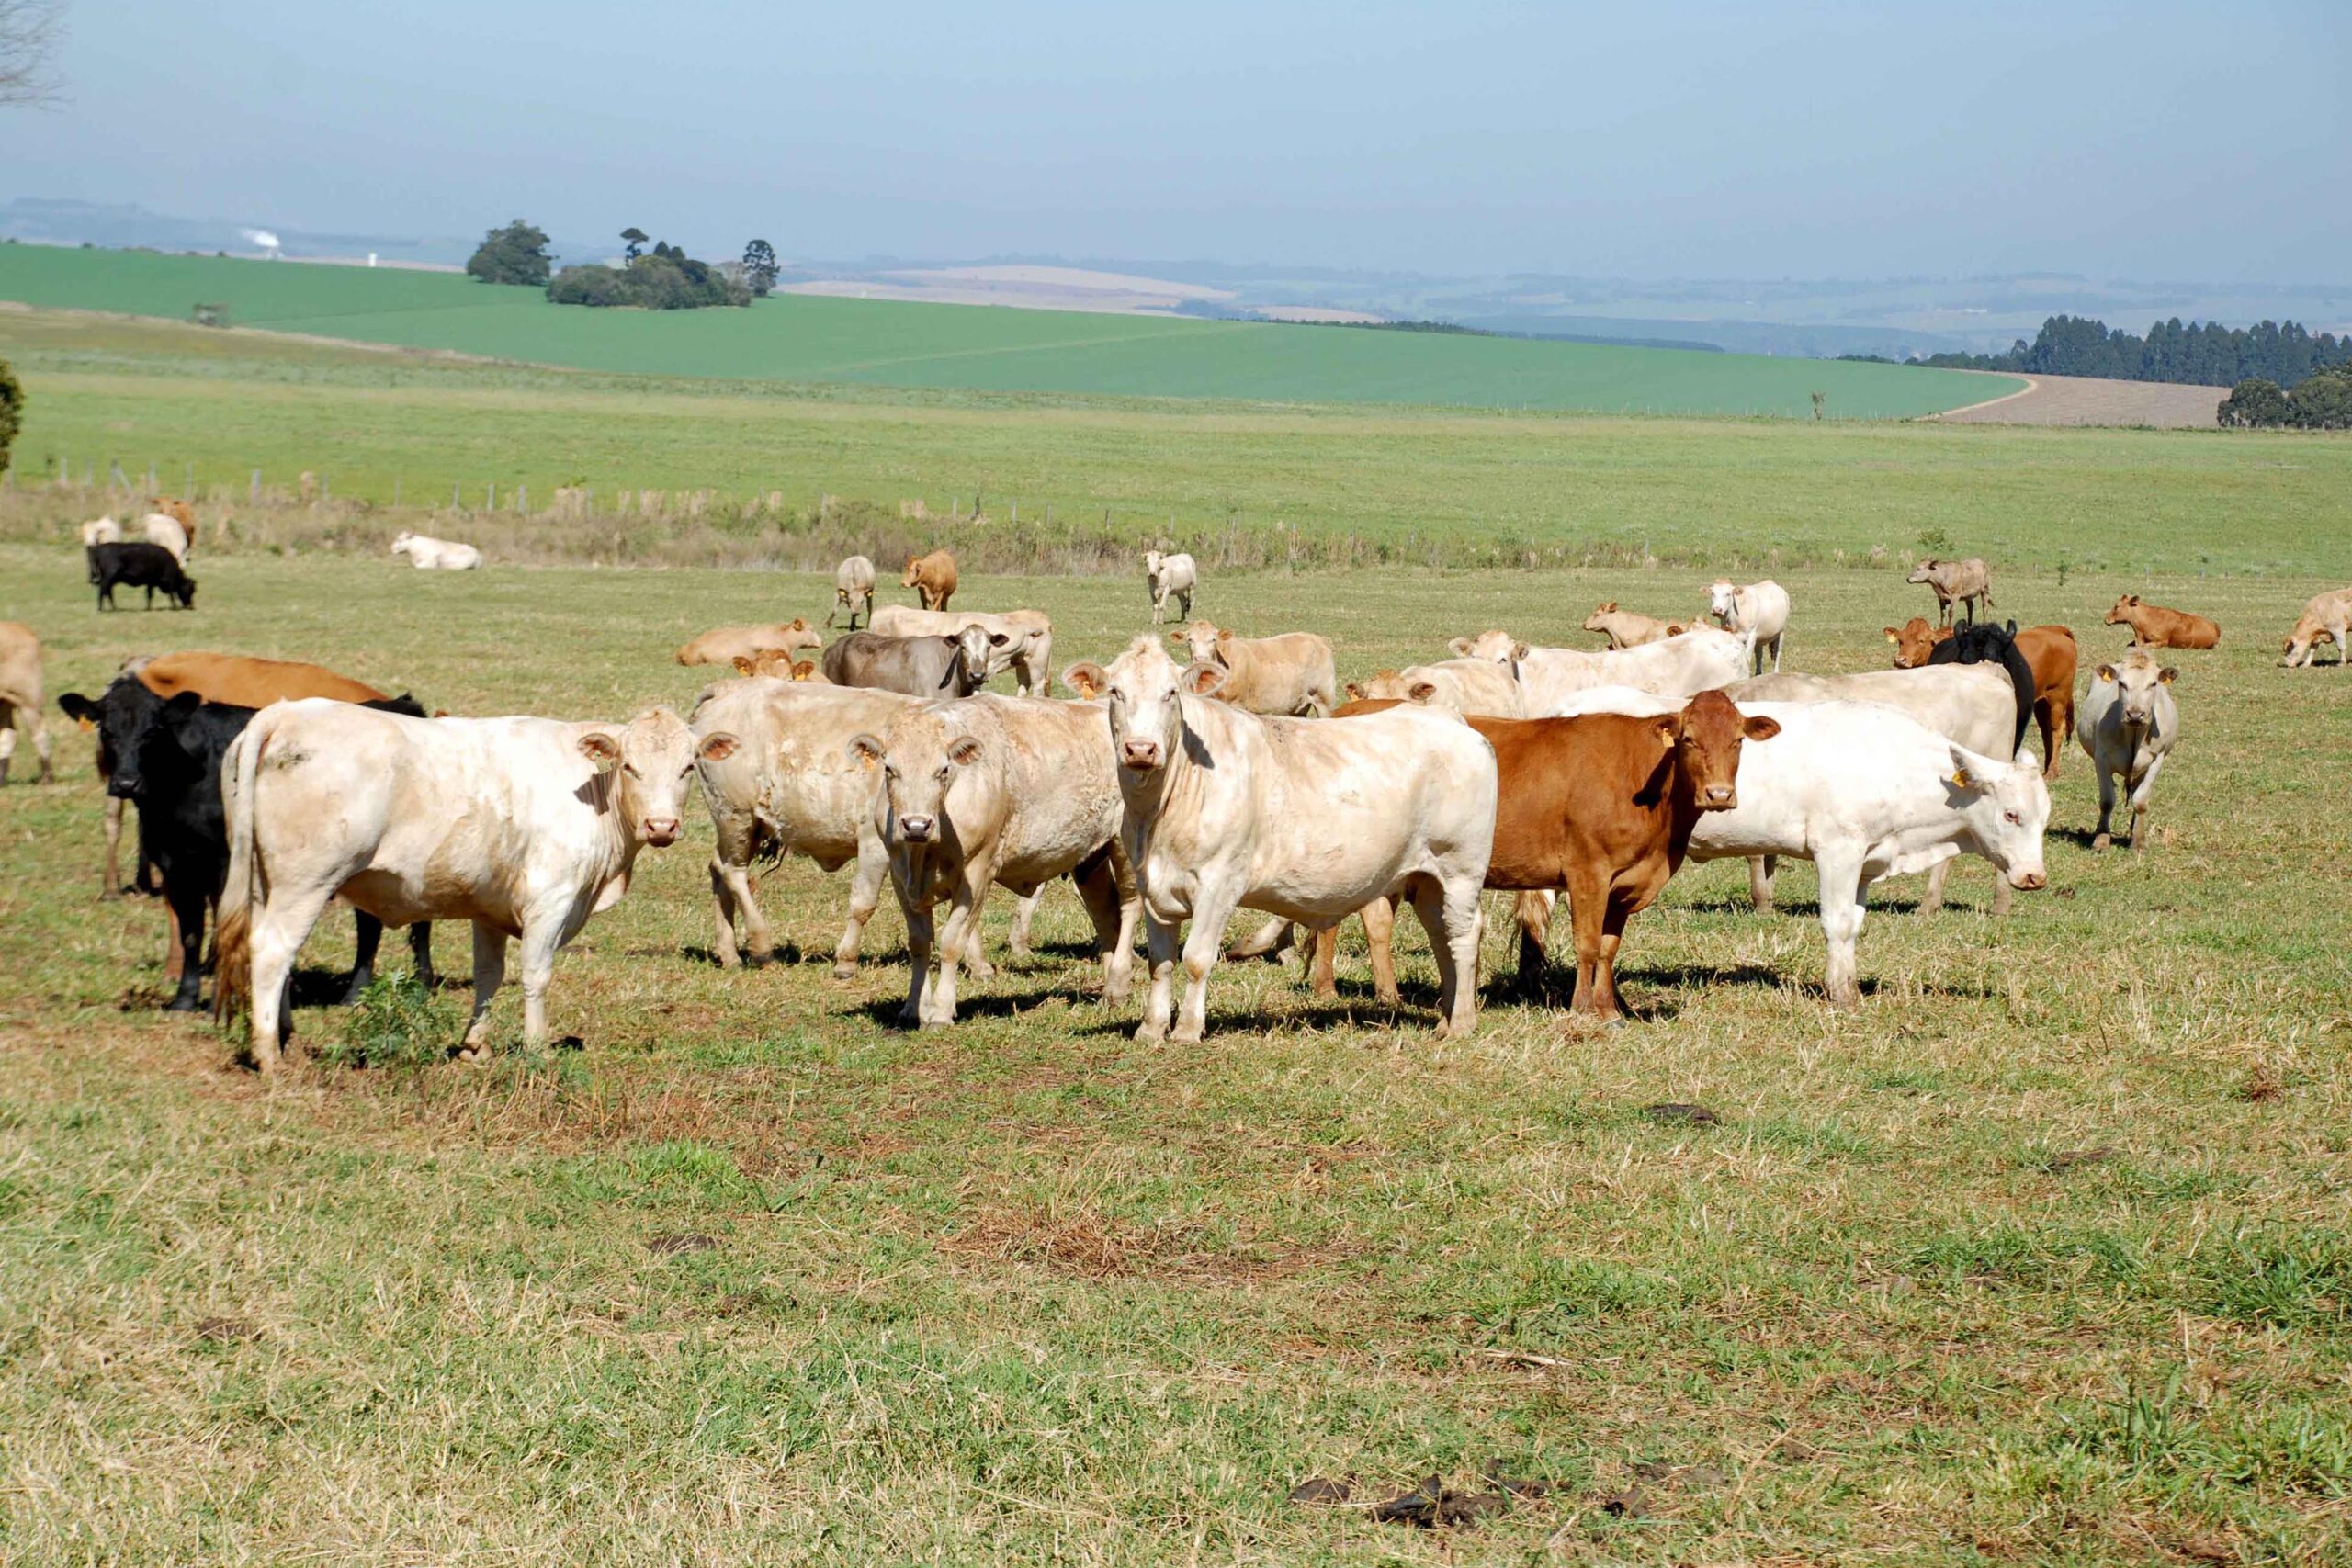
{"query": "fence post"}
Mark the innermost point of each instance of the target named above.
(454, 502)
(255, 495)
(115, 477)
(490, 496)
(522, 500)
(396, 492)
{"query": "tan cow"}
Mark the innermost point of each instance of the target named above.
(1625, 629)
(768, 664)
(1962, 582)
(2327, 617)
(2152, 625)
(1292, 674)
(725, 645)
(1760, 609)
(932, 577)
(853, 591)
(20, 696)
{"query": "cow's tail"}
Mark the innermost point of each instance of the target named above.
(233, 930)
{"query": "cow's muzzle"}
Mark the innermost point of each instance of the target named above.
(917, 829)
(2136, 717)
(1718, 797)
(2029, 881)
(1143, 754)
(660, 831)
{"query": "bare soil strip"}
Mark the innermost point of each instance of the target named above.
(2091, 399)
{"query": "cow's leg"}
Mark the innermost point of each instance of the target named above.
(541, 939)
(962, 932)
(2002, 893)
(1023, 911)
(1272, 939)
(1761, 869)
(1841, 926)
(186, 898)
(1932, 902)
(8, 741)
(1323, 966)
(368, 935)
(2045, 718)
(1612, 933)
(2101, 837)
(864, 893)
(175, 954)
(1533, 912)
(921, 936)
(1212, 907)
(1449, 912)
(1098, 890)
(2140, 792)
(1776, 652)
(420, 947)
(722, 916)
(489, 973)
(274, 941)
(1160, 948)
(1588, 906)
(1380, 936)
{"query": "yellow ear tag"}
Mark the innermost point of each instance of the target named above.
(1961, 780)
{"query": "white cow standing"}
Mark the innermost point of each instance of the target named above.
(1760, 609)
(853, 591)
(1170, 576)
(428, 554)
(1299, 818)
(2128, 722)
(1700, 660)
(101, 531)
(161, 528)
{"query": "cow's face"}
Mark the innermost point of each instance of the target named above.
(650, 758)
(918, 764)
(1924, 572)
(1721, 602)
(1593, 623)
(401, 544)
(2006, 807)
(1151, 561)
(2136, 682)
(914, 571)
(969, 670)
(1495, 647)
(128, 717)
(1203, 644)
(1146, 688)
(1915, 642)
(2121, 615)
(1706, 738)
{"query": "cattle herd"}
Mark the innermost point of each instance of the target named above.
(1172, 794)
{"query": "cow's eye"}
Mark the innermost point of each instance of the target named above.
(888, 771)
(943, 769)
(2013, 817)
(631, 769)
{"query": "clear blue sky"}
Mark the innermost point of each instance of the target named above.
(1650, 139)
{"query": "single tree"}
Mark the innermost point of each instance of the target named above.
(12, 411)
(516, 253)
(759, 266)
(2252, 405)
(634, 238)
(29, 32)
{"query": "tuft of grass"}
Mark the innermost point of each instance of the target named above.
(396, 1023)
(2287, 1278)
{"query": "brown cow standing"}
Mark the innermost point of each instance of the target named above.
(2049, 650)
(2152, 625)
(932, 577)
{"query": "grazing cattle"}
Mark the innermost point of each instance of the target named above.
(1292, 674)
(1019, 641)
(853, 591)
(2152, 625)
(2326, 617)
(725, 645)
(1962, 582)
(166, 532)
(1625, 629)
(2128, 724)
(20, 700)
(1011, 790)
(1700, 660)
(913, 666)
(1170, 577)
(428, 554)
(101, 531)
(1471, 687)
(524, 826)
(932, 577)
(2049, 653)
(1225, 808)
(166, 758)
(1760, 609)
(139, 566)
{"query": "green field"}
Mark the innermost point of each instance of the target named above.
(942, 346)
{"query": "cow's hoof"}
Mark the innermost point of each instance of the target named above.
(758, 960)
(181, 1004)
(2101, 841)
(1151, 1033)
(1186, 1037)
(847, 971)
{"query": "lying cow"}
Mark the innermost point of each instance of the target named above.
(1625, 629)
(2326, 617)
(725, 645)
(140, 565)
(913, 666)
(932, 577)
(1700, 660)
(1471, 687)
(1291, 674)
(853, 591)
(1009, 790)
(525, 826)
(428, 554)
(1225, 808)
(774, 666)
(1962, 582)
(1760, 609)
(1170, 577)
(1019, 641)
(2152, 625)
(21, 702)
(2128, 724)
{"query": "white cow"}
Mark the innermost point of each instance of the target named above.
(1292, 672)
(1011, 790)
(428, 554)
(1760, 609)
(1700, 660)
(1019, 641)
(158, 528)
(853, 591)
(101, 531)
(524, 826)
(1472, 687)
(1298, 817)
(1170, 576)
(2128, 722)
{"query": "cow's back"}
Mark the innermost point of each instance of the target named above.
(247, 682)
(793, 766)
(1972, 704)
(19, 665)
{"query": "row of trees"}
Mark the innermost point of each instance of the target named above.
(2321, 402)
(2203, 354)
(664, 278)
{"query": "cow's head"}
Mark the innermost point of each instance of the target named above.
(128, 717)
(1494, 645)
(650, 759)
(2004, 808)
(1722, 601)
(1381, 686)
(1203, 642)
(184, 589)
(2121, 615)
(799, 634)
(967, 667)
(402, 541)
(2309, 633)
(1925, 571)
(1146, 690)
(2136, 681)
(915, 571)
(1151, 561)
(1593, 623)
(1915, 642)
(1705, 738)
(918, 762)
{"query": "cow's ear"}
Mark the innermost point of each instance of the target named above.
(865, 749)
(1355, 690)
(965, 751)
(601, 748)
(1224, 634)
(2105, 672)
(2166, 676)
(799, 623)
(182, 707)
(1203, 679)
(1519, 652)
(743, 665)
(1088, 680)
(1668, 730)
(1960, 777)
(1893, 636)
(80, 709)
(804, 670)
(1459, 648)
(1759, 727)
(1420, 691)
(717, 747)
(998, 640)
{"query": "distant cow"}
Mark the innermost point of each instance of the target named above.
(1702, 658)
(428, 554)
(1625, 629)
(2327, 617)
(1170, 577)
(159, 529)
(1019, 641)
(932, 577)
(1475, 688)
(768, 664)
(724, 645)
(139, 566)
(101, 531)
(1760, 609)
(853, 591)
(912, 666)
(2128, 724)
(179, 512)
(20, 696)
(1962, 582)
(1291, 674)
(2152, 625)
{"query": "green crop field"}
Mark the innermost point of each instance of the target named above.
(941, 346)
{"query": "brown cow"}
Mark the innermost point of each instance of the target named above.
(247, 682)
(932, 577)
(1602, 805)
(2152, 625)
(2049, 650)
(724, 645)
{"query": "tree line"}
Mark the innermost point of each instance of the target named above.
(2323, 402)
(663, 278)
(2203, 354)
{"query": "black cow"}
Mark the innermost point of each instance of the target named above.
(1974, 643)
(167, 757)
(139, 566)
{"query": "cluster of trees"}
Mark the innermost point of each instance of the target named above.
(2323, 402)
(516, 253)
(663, 278)
(12, 411)
(2203, 354)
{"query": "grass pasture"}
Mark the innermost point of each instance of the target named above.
(2042, 1256)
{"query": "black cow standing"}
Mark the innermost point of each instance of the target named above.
(139, 566)
(167, 760)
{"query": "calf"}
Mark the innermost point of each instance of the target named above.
(932, 577)
(2127, 725)
(912, 666)
(1760, 609)
(428, 554)
(2327, 617)
(1962, 582)
(725, 645)
(1011, 790)
(20, 696)
(1625, 629)
(1224, 809)
(2152, 625)
(140, 565)
(1019, 641)
(1292, 674)
(1471, 687)
(776, 666)
(1170, 577)
(1702, 658)
(853, 591)
(524, 826)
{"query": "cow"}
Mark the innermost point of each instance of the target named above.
(724, 645)
(1011, 790)
(2152, 625)
(853, 591)
(1225, 809)
(21, 701)
(2049, 653)
(2126, 724)
(101, 531)
(1170, 577)
(768, 664)
(140, 565)
(1974, 644)
(1699, 659)
(165, 757)
(932, 577)
(2326, 617)
(526, 827)
(913, 666)
(179, 512)
(1963, 582)
(428, 554)
(1760, 609)
(166, 532)
(1472, 687)
(1915, 640)
(1292, 674)
(1625, 629)
(1019, 641)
